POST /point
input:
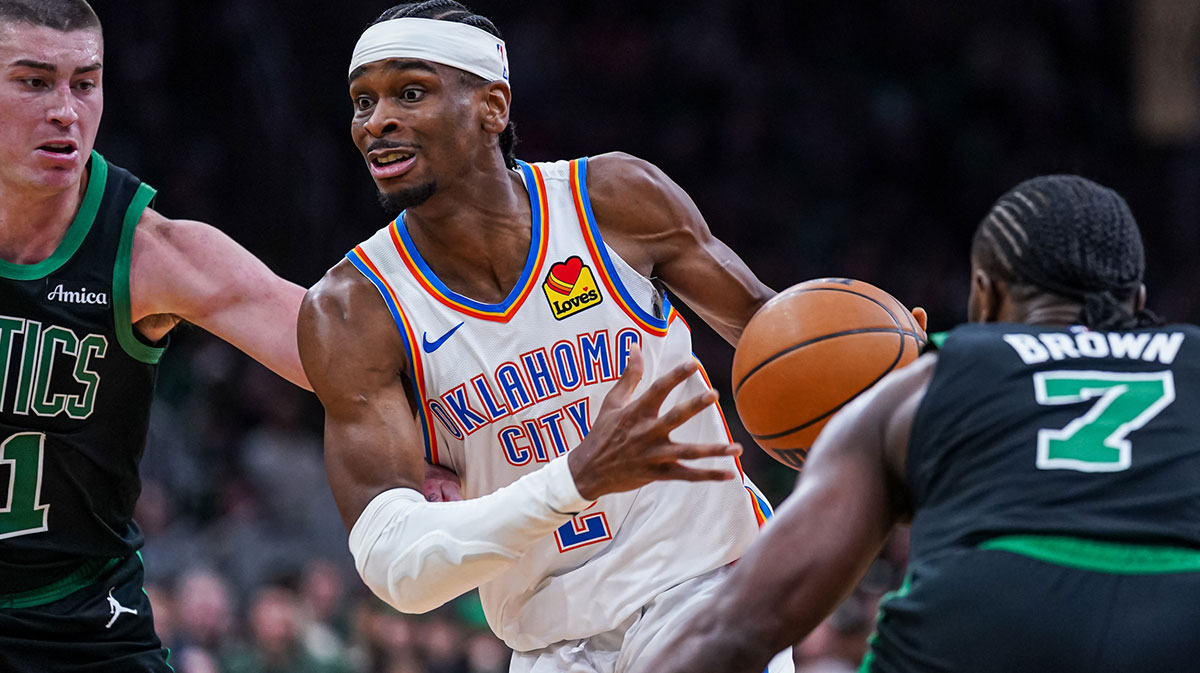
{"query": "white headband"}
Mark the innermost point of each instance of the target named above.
(447, 42)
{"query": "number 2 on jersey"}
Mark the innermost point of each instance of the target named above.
(23, 513)
(1097, 441)
(581, 531)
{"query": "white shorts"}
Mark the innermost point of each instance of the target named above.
(637, 638)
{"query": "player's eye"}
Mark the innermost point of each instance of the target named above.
(363, 103)
(85, 85)
(412, 94)
(34, 82)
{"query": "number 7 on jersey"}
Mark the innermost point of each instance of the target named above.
(1097, 441)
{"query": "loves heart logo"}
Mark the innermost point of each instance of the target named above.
(563, 275)
(570, 288)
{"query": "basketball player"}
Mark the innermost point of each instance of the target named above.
(1048, 458)
(506, 326)
(91, 282)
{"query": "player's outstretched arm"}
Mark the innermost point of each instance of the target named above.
(654, 225)
(188, 270)
(819, 543)
(414, 554)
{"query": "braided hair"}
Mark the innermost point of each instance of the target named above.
(1069, 236)
(449, 10)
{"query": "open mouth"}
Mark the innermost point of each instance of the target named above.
(391, 163)
(58, 148)
(388, 158)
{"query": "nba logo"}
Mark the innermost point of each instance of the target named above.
(500, 51)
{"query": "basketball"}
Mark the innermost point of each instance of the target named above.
(809, 351)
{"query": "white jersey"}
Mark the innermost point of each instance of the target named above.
(504, 388)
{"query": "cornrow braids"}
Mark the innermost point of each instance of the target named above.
(1070, 236)
(449, 10)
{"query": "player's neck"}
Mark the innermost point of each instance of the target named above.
(1049, 311)
(476, 235)
(32, 223)
(485, 197)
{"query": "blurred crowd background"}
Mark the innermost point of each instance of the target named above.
(819, 139)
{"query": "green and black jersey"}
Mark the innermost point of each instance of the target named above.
(76, 392)
(1058, 431)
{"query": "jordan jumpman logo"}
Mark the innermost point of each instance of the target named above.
(116, 609)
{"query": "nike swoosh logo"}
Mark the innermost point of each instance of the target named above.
(431, 346)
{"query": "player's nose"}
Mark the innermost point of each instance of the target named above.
(384, 119)
(61, 109)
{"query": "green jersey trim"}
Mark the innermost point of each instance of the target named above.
(869, 659)
(938, 338)
(141, 560)
(85, 575)
(1099, 555)
(76, 232)
(122, 314)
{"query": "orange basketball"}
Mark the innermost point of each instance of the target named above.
(811, 349)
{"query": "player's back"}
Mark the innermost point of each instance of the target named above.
(1055, 476)
(1059, 431)
(505, 388)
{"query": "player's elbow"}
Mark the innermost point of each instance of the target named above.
(424, 577)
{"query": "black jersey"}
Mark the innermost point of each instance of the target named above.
(76, 392)
(1059, 431)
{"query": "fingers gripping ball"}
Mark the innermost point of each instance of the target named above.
(809, 351)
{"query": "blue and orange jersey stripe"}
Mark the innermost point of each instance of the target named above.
(608, 273)
(534, 262)
(762, 508)
(358, 257)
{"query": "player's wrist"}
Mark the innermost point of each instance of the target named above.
(562, 490)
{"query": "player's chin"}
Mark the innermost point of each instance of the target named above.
(395, 199)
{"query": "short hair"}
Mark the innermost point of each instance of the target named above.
(1067, 235)
(61, 15)
(449, 10)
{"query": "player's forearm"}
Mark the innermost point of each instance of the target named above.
(416, 555)
(713, 643)
(807, 560)
(740, 629)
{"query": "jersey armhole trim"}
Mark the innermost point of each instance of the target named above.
(122, 314)
(759, 504)
(599, 251)
(76, 232)
(359, 259)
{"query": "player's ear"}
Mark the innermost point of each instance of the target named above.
(986, 296)
(496, 100)
(921, 317)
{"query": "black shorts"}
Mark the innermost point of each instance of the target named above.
(991, 611)
(93, 629)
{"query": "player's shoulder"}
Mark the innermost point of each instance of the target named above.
(345, 308)
(630, 195)
(162, 235)
(342, 289)
(346, 304)
(162, 245)
(613, 174)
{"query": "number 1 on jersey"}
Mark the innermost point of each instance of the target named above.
(1097, 441)
(23, 512)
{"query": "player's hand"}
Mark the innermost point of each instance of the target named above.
(629, 444)
(441, 485)
(921, 317)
